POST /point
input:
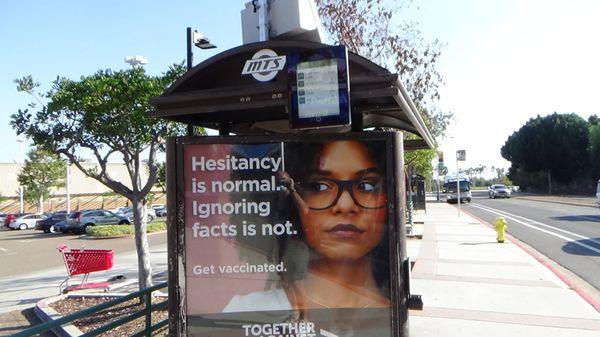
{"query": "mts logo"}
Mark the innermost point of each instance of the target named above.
(264, 65)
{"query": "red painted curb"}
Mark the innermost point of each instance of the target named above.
(536, 255)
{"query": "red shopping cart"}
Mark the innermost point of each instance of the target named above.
(84, 261)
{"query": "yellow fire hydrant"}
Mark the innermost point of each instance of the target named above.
(500, 229)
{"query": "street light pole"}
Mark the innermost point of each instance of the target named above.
(200, 41)
(460, 156)
(190, 53)
(21, 164)
(68, 162)
(458, 184)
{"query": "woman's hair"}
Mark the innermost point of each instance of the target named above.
(301, 159)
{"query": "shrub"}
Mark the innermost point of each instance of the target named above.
(115, 230)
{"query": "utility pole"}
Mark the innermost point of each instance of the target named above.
(200, 41)
(461, 155)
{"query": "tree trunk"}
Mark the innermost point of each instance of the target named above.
(549, 183)
(141, 244)
(41, 205)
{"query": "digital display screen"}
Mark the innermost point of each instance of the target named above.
(318, 88)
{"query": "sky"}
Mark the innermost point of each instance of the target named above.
(503, 61)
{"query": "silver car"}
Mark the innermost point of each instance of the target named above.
(499, 191)
(26, 221)
(127, 212)
(78, 222)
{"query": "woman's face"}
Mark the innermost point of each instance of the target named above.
(355, 223)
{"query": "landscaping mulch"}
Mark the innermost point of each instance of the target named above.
(70, 305)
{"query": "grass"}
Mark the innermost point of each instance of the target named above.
(117, 230)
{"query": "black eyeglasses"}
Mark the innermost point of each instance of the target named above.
(323, 193)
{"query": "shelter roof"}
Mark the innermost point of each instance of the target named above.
(214, 93)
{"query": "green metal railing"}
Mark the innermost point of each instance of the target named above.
(144, 295)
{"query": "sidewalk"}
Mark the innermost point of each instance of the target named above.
(473, 286)
(19, 294)
(470, 284)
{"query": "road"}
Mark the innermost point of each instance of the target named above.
(569, 235)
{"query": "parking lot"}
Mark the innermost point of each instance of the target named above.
(30, 251)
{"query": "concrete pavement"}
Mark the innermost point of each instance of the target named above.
(472, 285)
(19, 294)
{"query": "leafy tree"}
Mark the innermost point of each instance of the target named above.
(43, 171)
(161, 176)
(594, 120)
(556, 144)
(106, 114)
(595, 150)
(366, 27)
(480, 169)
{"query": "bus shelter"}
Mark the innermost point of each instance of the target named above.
(244, 206)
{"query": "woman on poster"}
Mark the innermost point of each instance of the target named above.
(336, 196)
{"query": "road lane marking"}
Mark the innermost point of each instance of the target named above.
(567, 239)
(3, 249)
(542, 224)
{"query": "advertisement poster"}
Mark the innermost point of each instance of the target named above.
(288, 239)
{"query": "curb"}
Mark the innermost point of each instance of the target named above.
(557, 202)
(45, 313)
(89, 237)
(538, 257)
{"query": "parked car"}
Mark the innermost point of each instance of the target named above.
(160, 210)
(499, 191)
(78, 222)
(10, 217)
(119, 209)
(128, 213)
(25, 221)
(47, 224)
(3, 217)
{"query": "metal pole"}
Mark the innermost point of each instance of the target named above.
(68, 188)
(190, 55)
(263, 20)
(437, 184)
(190, 60)
(21, 210)
(458, 184)
(21, 164)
